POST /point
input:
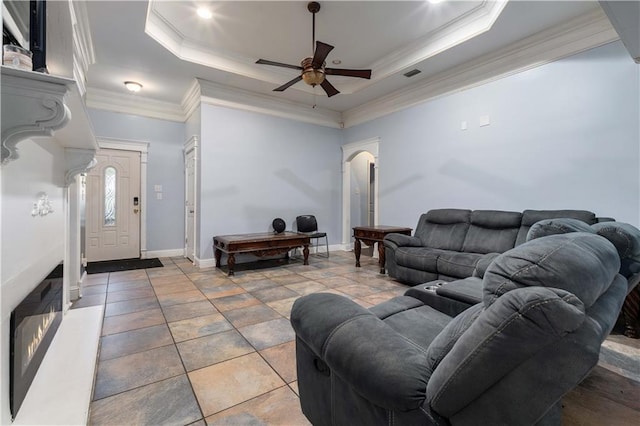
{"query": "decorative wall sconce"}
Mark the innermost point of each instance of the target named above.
(42, 206)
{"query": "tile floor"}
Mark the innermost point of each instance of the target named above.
(185, 346)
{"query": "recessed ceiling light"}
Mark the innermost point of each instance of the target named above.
(133, 86)
(336, 62)
(204, 13)
(435, 1)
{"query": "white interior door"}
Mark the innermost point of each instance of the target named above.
(113, 206)
(190, 180)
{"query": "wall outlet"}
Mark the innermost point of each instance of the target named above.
(157, 188)
(158, 195)
(463, 125)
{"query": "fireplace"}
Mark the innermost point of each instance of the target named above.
(34, 322)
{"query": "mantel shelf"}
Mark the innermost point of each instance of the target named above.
(35, 105)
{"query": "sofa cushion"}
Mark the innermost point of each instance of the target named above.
(457, 265)
(422, 258)
(443, 228)
(529, 217)
(492, 231)
(581, 263)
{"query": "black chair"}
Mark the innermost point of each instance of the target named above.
(307, 224)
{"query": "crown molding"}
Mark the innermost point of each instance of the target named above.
(191, 99)
(217, 94)
(473, 23)
(133, 104)
(574, 36)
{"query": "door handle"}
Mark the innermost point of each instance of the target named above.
(136, 211)
(190, 211)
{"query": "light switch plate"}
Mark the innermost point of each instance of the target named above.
(484, 120)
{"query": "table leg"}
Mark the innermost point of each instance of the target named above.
(381, 256)
(357, 248)
(231, 262)
(305, 252)
(218, 254)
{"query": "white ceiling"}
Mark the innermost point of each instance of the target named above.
(164, 45)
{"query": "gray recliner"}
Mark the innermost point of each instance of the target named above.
(547, 306)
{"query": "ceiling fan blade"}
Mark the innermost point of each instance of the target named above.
(322, 50)
(328, 87)
(287, 85)
(349, 73)
(277, 64)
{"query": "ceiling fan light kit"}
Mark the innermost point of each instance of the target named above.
(313, 69)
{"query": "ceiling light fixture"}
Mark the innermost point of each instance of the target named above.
(133, 86)
(204, 13)
(435, 1)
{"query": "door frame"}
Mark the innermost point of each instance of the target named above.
(349, 151)
(142, 147)
(192, 144)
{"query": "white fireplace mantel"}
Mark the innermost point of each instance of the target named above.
(35, 105)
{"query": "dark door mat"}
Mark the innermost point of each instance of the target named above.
(122, 265)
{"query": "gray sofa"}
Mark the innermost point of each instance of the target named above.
(448, 244)
(546, 307)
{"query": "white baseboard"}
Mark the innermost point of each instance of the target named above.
(205, 263)
(149, 254)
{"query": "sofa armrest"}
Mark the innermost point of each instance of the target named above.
(483, 264)
(376, 361)
(401, 240)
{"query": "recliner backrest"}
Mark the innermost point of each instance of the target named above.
(529, 217)
(443, 228)
(492, 231)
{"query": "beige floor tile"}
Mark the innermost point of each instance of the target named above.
(269, 333)
(132, 321)
(89, 300)
(131, 371)
(236, 301)
(274, 293)
(294, 387)
(289, 279)
(228, 383)
(212, 349)
(223, 291)
(278, 407)
(168, 402)
(124, 276)
(172, 279)
(176, 287)
(93, 279)
(306, 287)
(94, 289)
(358, 290)
(182, 297)
(168, 271)
(250, 315)
(198, 327)
(283, 307)
(259, 284)
(129, 342)
(128, 285)
(136, 293)
(282, 358)
(126, 307)
(334, 282)
(188, 310)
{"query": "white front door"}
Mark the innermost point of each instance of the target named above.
(113, 206)
(190, 178)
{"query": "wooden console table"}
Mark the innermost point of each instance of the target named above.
(262, 244)
(375, 234)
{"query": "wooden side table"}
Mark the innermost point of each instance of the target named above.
(375, 234)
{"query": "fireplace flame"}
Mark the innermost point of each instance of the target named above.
(38, 335)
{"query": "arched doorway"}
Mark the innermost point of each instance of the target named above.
(349, 152)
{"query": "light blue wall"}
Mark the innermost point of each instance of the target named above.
(165, 166)
(563, 135)
(256, 168)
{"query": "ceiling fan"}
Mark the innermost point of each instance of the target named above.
(313, 68)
